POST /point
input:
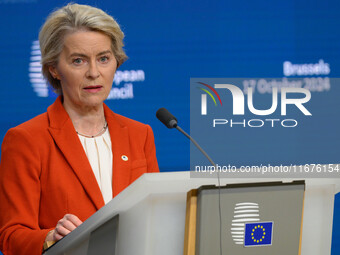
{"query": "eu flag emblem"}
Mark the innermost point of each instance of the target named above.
(258, 234)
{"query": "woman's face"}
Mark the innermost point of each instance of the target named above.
(86, 68)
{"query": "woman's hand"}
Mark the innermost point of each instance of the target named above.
(64, 226)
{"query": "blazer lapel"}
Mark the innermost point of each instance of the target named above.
(65, 136)
(121, 164)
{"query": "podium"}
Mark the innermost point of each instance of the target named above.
(152, 214)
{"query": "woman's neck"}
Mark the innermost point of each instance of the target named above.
(88, 121)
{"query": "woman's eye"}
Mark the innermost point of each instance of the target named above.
(77, 61)
(104, 59)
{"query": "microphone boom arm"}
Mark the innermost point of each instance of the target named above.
(196, 144)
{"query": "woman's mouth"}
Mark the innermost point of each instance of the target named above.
(93, 89)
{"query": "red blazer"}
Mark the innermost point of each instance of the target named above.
(44, 174)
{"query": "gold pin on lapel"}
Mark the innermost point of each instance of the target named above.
(125, 158)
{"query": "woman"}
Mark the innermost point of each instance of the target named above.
(62, 166)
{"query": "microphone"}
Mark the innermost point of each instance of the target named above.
(170, 121)
(166, 118)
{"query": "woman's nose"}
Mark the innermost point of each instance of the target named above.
(93, 71)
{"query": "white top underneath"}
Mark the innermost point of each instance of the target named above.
(99, 153)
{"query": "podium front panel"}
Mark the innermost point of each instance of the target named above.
(256, 219)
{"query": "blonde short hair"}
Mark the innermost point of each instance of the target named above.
(71, 18)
